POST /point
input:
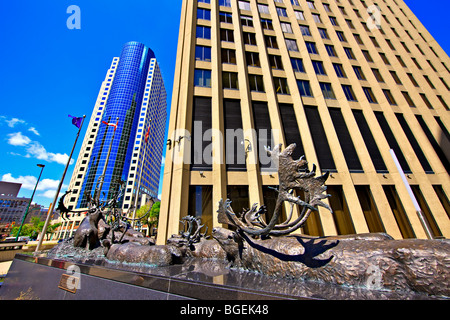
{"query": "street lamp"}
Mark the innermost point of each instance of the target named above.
(29, 203)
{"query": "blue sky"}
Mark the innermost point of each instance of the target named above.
(48, 71)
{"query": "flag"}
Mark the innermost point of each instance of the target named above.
(76, 121)
(147, 135)
(114, 125)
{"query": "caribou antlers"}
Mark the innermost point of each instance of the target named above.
(292, 178)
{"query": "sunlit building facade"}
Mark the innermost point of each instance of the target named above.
(346, 80)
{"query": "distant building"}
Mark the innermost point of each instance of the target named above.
(133, 96)
(12, 208)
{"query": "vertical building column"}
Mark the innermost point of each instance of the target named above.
(176, 172)
(219, 175)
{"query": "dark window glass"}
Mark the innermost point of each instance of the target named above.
(234, 136)
(291, 130)
(345, 140)
(414, 144)
(370, 142)
(320, 140)
(389, 135)
(263, 132)
(202, 121)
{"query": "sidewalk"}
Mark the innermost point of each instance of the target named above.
(4, 267)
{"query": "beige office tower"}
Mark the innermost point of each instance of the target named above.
(346, 80)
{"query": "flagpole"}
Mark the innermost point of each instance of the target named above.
(52, 205)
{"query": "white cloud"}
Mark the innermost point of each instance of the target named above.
(33, 129)
(18, 139)
(12, 123)
(28, 182)
(36, 150)
(47, 186)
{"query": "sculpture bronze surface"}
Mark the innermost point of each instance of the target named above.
(365, 261)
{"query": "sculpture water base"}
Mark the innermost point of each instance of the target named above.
(54, 279)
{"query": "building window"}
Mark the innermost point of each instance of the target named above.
(267, 24)
(297, 65)
(225, 3)
(342, 218)
(282, 12)
(256, 83)
(339, 70)
(286, 27)
(426, 101)
(202, 78)
(323, 33)
(291, 45)
(305, 30)
(271, 42)
(367, 56)
(399, 212)
(392, 141)
(384, 58)
(389, 97)
(290, 129)
(318, 68)
(408, 99)
(281, 85)
(275, 62)
(414, 144)
(247, 21)
(299, 15)
(264, 9)
(310, 4)
(320, 140)
(230, 80)
(304, 88)
(200, 204)
(225, 17)
(377, 75)
(395, 77)
(370, 211)
(330, 50)
(369, 95)
(203, 14)
(311, 46)
(201, 123)
(202, 53)
(437, 148)
(263, 129)
(244, 5)
(228, 56)
(370, 142)
(347, 146)
(327, 90)
(341, 36)
(249, 38)
(349, 94)
(359, 73)
(226, 35)
(316, 18)
(252, 59)
(235, 151)
(334, 21)
(203, 32)
(349, 53)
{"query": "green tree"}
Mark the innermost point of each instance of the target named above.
(151, 219)
(33, 229)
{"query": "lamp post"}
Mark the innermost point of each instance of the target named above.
(29, 203)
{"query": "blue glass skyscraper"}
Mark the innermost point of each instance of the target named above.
(133, 96)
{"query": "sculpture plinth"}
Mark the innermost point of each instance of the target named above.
(368, 261)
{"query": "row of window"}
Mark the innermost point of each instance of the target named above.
(202, 78)
(262, 122)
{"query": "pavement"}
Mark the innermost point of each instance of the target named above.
(4, 267)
